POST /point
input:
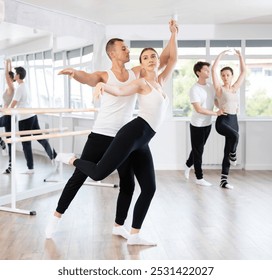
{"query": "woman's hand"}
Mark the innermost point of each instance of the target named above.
(173, 26)
(237, 52)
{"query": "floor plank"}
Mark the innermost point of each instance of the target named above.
(189, 222)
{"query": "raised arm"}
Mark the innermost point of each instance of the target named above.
(242, 75)
(83, 77)
(215, 79)
(7, 70)
(172, 47)
(166, 52)
(164, 56)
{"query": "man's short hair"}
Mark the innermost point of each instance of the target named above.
(198, 66)
(21, 72)
(110, 45)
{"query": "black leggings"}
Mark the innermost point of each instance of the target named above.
(227, 125)
(32, 124)
(199, 136)
(139, 163)
(130, 142)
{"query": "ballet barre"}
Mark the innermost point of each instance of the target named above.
(16, 111)
(34, 131)
(13, 112)
(46, 136)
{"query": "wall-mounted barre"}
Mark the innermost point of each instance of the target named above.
(16, 111)
(13, 140)
(35, 131)
(46, 136)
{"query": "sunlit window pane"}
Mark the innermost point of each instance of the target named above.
(42, 88)
(58, 99)
(183, 80)
(33, 87)
(258, 87)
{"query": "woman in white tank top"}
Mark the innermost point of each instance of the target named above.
(136, 134)
(228, 101)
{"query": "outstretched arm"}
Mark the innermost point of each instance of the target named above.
(242, 75)
(135, 86)
(215, 79)
(173, 53)
(199, 109)
(83, 77)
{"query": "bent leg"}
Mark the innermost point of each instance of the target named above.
(94, 149)
(130, 137)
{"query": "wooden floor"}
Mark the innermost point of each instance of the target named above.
(189, 222)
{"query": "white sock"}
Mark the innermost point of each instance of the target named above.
(121, 231)
(64, 157)
(51, 227)
(187, 171)
(135, 239)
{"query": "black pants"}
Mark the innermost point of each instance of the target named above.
(199, 136)
(5, 121)
(227, 125)
(31, 124)
(131, 142)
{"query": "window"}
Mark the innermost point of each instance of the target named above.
(183, 79)
(258, 87)
(258, 90)
(59, 96)
(48, 89)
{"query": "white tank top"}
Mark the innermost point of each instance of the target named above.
(7, 98)
(152, 107)
(229, 102)
(114, 111)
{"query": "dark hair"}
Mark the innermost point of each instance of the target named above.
(11, 75)
(110, 44)
(144, 50)
(199, 65)
(226, 68)
(21, 72)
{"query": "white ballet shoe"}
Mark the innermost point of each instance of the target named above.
(203, 183)
(136, 239)
(120, 231)
(52, 227)
(228, 186)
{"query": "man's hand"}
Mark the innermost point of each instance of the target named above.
(68, 71)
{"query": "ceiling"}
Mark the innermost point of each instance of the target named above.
(142, 12)
(110, 12)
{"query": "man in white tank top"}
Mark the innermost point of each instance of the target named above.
(114, 112)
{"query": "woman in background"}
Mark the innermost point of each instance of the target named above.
(228, 101)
